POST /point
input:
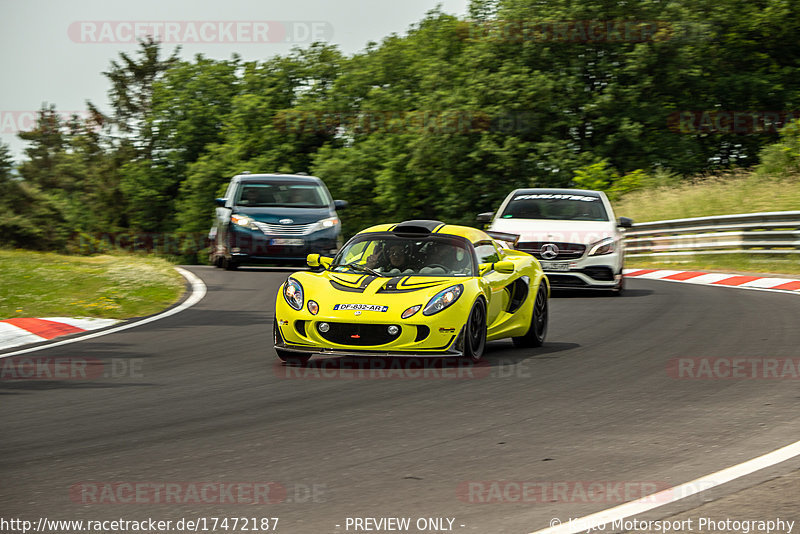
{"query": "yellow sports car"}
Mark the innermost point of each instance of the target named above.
(419, 288)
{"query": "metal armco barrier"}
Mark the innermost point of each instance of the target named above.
(776, 232)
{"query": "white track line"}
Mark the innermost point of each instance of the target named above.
(639, 506)
(198, 292)
(676, 493)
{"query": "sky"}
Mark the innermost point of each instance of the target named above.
(54, 51)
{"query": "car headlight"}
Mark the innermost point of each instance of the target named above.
(604, 246)
(244, 220)
(293, 293)
(443, 299)
(324, 224)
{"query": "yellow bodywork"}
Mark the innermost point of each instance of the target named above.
(433, 335)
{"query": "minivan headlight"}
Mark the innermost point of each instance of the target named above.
(244, 220)
(324, 224)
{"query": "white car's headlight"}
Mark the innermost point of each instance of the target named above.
(244, 220)
(293, 293)
(443, 299)
(604, 246)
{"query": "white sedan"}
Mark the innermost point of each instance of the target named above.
(572, 232)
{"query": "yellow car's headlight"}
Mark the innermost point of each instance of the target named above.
(443, 299)
(293, 293)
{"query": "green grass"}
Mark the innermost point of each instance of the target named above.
(38, 284)
(724, 195)
(729, 263)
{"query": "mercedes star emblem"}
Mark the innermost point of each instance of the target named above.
(549, 251)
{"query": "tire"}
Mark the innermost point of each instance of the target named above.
(620, 289)
(284, 355)
(475, 332)
(538, 328)
(229, 264)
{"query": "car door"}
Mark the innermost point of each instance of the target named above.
(223, 218)
(487, 253)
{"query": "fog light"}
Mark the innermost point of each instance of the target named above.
(313, 307)
(324, 327)
(393, 330)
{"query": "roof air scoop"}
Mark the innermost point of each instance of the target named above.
(417, 227)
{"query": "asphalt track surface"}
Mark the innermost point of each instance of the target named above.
(207, 402)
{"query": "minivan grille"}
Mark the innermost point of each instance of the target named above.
(285, 229)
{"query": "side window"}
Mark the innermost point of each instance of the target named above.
(486, 251)
(357, 251)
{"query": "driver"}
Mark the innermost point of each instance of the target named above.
(395, 257)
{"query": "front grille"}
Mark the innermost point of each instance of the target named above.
(359, 334)
(562, 280)
(422, 333)
(300, 326)
(566, 251)
(604, 274)
(285, 229)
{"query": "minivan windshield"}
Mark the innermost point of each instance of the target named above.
(555, 206)
(285, 194)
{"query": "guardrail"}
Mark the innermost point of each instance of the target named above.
(776, 232)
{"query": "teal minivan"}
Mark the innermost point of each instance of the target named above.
(274, 219)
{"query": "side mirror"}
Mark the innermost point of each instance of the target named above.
(485, 217)
(625, 222)
(339, 204)
(220, 202)
(316, 260)
(505, 267)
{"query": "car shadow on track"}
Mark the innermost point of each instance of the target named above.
(497, 356)
(593, 294)
(501, 353)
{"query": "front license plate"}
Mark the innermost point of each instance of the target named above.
(288, 242)
(365, 307)
(555, 265)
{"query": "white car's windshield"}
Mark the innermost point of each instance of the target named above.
(387, 254)
(555, 206)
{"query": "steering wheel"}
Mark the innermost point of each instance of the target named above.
(434, 265)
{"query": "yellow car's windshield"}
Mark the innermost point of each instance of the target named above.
(387, 254)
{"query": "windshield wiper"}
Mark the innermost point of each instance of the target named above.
(358, 267)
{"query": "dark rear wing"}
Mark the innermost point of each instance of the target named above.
(507, 240)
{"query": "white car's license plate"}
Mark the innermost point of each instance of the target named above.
(288, 242)
(555, 265)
